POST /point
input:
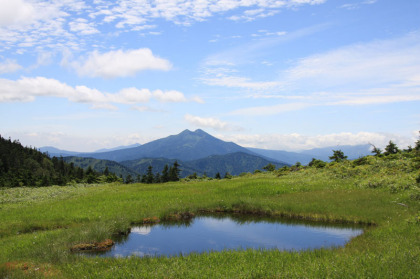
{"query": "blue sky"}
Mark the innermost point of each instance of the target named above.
(289, 75)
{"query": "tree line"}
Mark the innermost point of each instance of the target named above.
(168, 174)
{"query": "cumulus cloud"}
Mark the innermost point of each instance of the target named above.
(27, 89)
(9, 66)
(120, 63)
(210, 122)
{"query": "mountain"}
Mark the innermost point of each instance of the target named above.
(185, 146)
(55, 152)
(351, 151)
(285, 156)
(100, 165)
(304, 157)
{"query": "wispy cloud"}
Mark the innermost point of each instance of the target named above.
(271, 110)
(240, 82)
(9, 66)
(378, 72)
(50, 24)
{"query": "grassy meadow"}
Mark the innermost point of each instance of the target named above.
(40, 225)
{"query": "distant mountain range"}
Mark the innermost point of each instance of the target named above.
(197, 152)
(304, 157)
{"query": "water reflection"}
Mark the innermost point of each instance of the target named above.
(216, 233)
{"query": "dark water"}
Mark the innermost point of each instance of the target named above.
(216, 233)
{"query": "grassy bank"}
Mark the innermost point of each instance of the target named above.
(39, 225)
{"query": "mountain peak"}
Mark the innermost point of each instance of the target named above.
(200, 132)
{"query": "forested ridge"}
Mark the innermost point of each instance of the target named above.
(27, 166)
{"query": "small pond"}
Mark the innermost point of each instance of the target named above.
(216, 233)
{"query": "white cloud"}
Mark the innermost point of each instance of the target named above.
(9, 66)
(83, 27)
(16, 12)
(132, 95)
(121, 63)
(27, 89)
(226, 76)
(241, 82)
(37, 23)
(51, 24)
(169, 96)
(296, 142)
(185, 12)
(209, 122)
(271, 110)
(145, 108)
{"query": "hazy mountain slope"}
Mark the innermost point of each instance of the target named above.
(304, 157)
(117, 148)
(351, 151)
(285, 156)
(55, 152)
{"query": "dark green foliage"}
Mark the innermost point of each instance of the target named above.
(361, 161)
(269, 167)
(227, 176)
(129, 179)
(149, 175)
(376, 150)
(26, 166)
(217, 176)
(391, 148)
(338, 156)
(174, 172)
(192, 176)
(317, 163)
(165, 174)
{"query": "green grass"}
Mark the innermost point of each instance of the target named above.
(39, 225)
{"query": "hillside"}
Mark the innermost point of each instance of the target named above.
(25, 166)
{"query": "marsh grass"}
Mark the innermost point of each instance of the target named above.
(39, 225)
